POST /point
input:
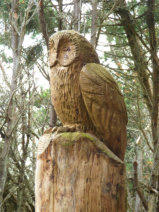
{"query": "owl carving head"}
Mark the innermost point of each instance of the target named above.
(68, 46)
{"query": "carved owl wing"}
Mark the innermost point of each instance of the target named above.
(105, 105)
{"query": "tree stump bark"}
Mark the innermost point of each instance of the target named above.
(76, 172)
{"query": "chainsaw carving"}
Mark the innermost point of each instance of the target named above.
(84, 94)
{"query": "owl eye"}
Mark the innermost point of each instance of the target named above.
(67, 49)
(66, 52)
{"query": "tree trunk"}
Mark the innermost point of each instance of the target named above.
(150, 96)
(94, 25)
(60, 21)
(77, 14)
(42, 22)
(53, 116)
(43, 26)
(139, 159)
(77, 172)
(11, 108)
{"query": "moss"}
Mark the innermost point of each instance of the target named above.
(69, 138)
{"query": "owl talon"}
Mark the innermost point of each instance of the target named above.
(62, 129)
(79, 129)
(54, 129)
(48, 131)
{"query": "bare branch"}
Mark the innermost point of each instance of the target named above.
(5, 76)
(43, 22)
(26, 20)
(140, 193)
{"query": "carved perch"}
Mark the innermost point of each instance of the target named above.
(77, 172)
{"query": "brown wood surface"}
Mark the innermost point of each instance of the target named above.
(84, 93)
(77, 172)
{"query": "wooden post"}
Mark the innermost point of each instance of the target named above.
(76, 172)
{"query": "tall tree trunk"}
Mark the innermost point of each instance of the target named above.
(151, 97)
(53, 117)
(21, 189)
(11, 107)
(43, 24)
(154, 200)
(77, 14)
(18, 27)
(94, 23)
(137, 52)
(60, 25)
(139, 158)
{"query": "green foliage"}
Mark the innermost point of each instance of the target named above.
(4, 38)
(42, 98)
(5, 6)
(33, 53)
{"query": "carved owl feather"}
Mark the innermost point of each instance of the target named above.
(84, 93)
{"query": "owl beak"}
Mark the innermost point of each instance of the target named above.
(54, 63)
(53, 60)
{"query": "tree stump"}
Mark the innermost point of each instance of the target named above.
(76, 172)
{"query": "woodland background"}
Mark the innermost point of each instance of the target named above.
(125, 34)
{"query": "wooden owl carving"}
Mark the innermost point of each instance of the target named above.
(84, 94)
